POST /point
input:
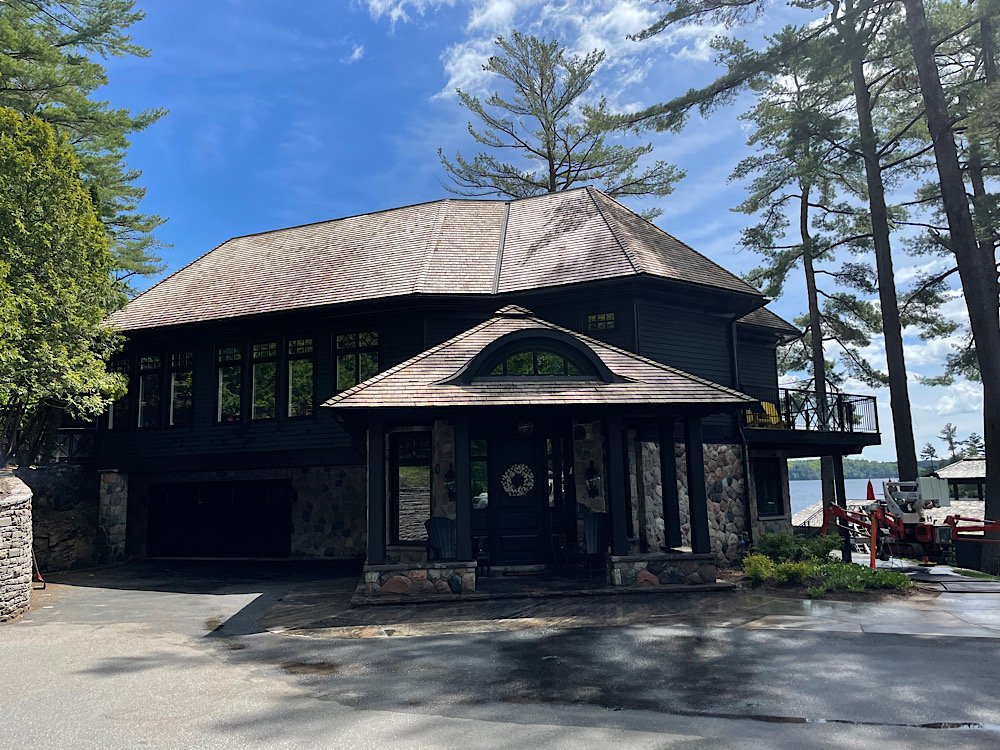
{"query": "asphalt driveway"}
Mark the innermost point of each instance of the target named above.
(230, 656)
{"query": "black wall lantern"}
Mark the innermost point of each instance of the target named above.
(593, 480)
(449, 483)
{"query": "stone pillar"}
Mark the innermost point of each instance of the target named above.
(668, 480)
(15, 547)
(112, 515)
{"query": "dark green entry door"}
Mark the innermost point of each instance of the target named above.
(518, 500)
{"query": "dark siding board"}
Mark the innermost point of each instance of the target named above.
(573, 315)
(693, 342)
(757, 362)
(439, 327)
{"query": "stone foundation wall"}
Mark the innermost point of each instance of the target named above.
(724, 486)
(112, 516)
(64, 511)
(658, 569)
(15, 547)
(426, 580)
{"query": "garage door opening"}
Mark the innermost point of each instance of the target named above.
(220, 519)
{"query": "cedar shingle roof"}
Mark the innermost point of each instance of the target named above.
(764, 318)
(443, 247)
(422, 380)
(971, 469)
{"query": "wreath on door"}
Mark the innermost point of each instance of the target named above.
(518, 480)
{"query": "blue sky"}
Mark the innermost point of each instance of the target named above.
(285, 113)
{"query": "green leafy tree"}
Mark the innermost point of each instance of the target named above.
(55, 289)
(929, 453)
(949, 436)
(543, 134)
(50, 67)
(974, 445)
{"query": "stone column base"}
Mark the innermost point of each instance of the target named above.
(419, 580)
(655, 569)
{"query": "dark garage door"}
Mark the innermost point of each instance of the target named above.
(220, 519)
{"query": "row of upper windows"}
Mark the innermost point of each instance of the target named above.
(256, 383)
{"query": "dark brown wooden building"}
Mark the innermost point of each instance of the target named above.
(512, 367)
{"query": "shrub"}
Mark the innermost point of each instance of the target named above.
(794, 572)
(817, 592)
(784, 547)
(758, 568)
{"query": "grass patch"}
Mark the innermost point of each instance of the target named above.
(976, 574)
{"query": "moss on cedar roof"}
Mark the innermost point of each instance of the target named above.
(451, 246)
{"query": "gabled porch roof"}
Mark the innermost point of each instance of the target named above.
(433, 378)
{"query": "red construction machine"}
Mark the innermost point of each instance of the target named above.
(898, 525)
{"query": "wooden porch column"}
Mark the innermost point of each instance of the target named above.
(694, 451)
(841, 494)
(616, 486)
(668, 481)
(376, 489)
(463, 489)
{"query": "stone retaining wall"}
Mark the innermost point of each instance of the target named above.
(15, 547)
(63, 514)
(657, 569)
(425, 580)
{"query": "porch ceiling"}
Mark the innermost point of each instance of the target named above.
(423, 380)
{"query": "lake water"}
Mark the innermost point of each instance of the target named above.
(805, 492)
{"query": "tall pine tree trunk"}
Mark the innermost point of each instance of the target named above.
(816, 350)
(892, 330)
(976, 269)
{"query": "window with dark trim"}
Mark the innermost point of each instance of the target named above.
(767, 487)
(409, 486)
(181, 389)
(300, 377)
(229, 401)
(149, 391)
(118, 409)
(357, 358)
(263, 380)
(479, 474)
(537, 361)
(601, 321)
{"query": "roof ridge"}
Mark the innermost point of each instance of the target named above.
(500, 247)
(678, 241)
(625, 250)
(434, 242)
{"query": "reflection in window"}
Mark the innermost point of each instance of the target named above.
(181, 389)
(536, 362)
(601, 322)
(411, 485)
(118, 410)
(357, 358)
(480, 477)
(300, 378)
(230, 384)
(264, 376)
(149, 391)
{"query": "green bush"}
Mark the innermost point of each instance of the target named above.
(817, 592)
(758, 568)
(795, 572)
(784, 547)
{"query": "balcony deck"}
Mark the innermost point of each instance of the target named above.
(798, 422)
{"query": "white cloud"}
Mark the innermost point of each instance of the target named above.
(357, 53)
(400, 10)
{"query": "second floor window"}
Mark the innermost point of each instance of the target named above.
(357, 358)
(118, 410)
(149, 391)
(300, 377)
(265, 386)
(181, 389)
(601, 321)
(230, 373)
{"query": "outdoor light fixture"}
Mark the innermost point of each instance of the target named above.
(449, 483)
(593, 480)
(524, 429)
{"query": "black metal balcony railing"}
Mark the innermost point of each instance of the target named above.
(73, 443)
(794, 409)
